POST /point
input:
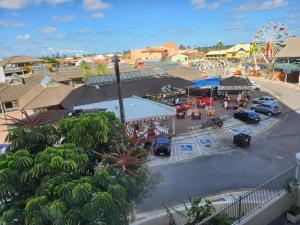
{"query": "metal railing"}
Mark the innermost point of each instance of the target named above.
(246, 204)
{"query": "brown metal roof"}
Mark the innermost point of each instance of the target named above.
(90, 94)
(19, 59)
(66, 75)
(11, 92)
(41, 96)
(185, 73)
(292, 49)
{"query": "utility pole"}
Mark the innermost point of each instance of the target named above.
(121, 105)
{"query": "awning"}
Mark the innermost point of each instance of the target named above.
(234, 88)
(206, 83)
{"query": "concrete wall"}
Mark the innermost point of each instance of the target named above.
(2, 75)
(266, 214)
(162, 217)
(270, 211)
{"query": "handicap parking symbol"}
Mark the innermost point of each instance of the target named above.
(205, 141)
(187, 148)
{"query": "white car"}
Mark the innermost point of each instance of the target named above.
(254, 85)
(265, 99)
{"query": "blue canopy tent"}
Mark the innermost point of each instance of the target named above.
(209, 83)
(206, 83)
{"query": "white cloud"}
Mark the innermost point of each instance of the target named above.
(48, 30)
(65, 18)
(236, 26)
(11, 23)
(95, 5)
(203, 4)
(98, 15)
(52, 50)
(24, 37)
(58, 1)
(251, 5)
(85, 31)
(240, 17)
(18, 4)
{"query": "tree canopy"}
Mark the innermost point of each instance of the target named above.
(102, 70)
(34, 139)
(85, 69)
(43, 184)
(53, 187)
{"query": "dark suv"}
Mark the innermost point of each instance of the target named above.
(163, 145)
(247, 116)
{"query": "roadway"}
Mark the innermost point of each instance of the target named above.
(240, 169)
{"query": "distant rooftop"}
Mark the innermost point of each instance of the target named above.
(19, 59)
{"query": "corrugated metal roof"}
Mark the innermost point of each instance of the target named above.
(292, 49)
(134, 108)
(111, 78)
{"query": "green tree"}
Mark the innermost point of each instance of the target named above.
(85, 69)
(53, 187)
(56, 185)
(34, 139)
(102, 70)
(182, 47)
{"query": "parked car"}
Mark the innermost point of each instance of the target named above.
(4, 148)
(265, 99)
(247, 116)
(266, 108)
(255, 86)
(163, 145)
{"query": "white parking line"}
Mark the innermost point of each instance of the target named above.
(197, 144)
(174, 147)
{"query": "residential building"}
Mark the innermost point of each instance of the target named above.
(11, 91)
(20, 65)
(149, 54)
(180, 57)
(287, 62)
(238, 51)
(155, 54)
(216, 54)
(171, 48)
(188, 57)
(46, 95)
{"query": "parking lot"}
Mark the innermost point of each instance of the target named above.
(201, 142)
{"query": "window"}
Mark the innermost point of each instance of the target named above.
(8, 105)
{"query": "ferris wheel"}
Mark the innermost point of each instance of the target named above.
(271, 38)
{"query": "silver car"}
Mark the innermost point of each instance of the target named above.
(265, 99)
(266, 108)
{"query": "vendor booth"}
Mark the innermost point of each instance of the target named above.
(236, 88)
(204, 87)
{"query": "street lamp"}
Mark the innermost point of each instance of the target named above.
(121, 105)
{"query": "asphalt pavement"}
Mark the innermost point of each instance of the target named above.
(239, 169)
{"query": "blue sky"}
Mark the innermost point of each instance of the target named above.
(43, 27)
